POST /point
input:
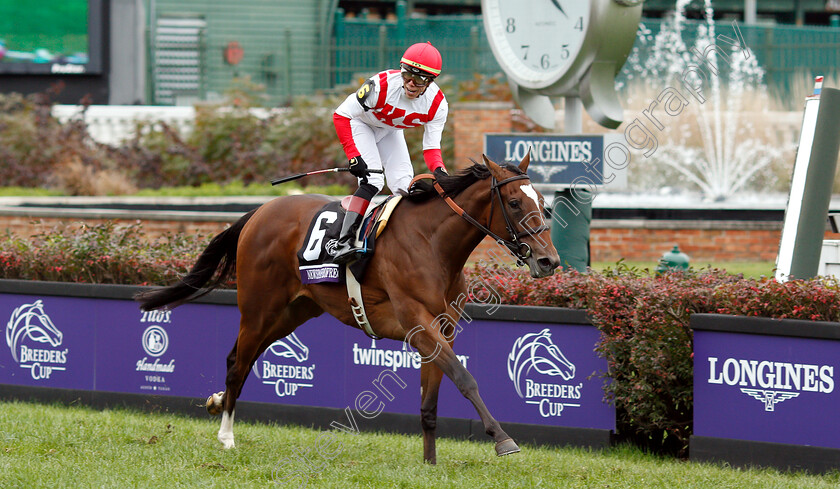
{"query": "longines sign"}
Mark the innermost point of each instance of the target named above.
(564, 161)
(766, 386)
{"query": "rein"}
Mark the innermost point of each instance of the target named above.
(520, 250)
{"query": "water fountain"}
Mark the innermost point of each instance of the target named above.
(724, 147)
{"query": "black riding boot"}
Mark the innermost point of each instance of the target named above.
(345, 251)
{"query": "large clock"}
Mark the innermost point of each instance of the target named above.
(536, 41)
(554, 48)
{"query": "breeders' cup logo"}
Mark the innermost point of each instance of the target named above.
(534, 355)
(30, 324)
(285, 378)
(155, 341)
(771, 382)
(331, 246)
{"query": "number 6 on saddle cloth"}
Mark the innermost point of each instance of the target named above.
(316, 256)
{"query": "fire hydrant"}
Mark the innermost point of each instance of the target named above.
(672, 260)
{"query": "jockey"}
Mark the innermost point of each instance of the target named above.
(370, 125)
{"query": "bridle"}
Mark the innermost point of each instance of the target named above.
(519, 249)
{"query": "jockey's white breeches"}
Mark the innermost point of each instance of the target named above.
(384, 145)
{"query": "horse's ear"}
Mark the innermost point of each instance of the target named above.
(495, 169)
(524, 164)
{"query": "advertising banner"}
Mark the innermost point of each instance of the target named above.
(765, 388)
(536, 373)
(306, 368)
(564, 161)
(163, 352)
(50, 342)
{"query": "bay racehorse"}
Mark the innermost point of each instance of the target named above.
(414, 279)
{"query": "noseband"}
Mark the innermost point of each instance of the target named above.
(520, 250)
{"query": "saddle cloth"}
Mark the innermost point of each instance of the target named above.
(315, 258)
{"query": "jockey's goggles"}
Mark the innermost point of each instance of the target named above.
(418, 77)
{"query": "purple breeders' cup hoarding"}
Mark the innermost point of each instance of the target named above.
(533, 373)
(776, 389)
(163, 352)
(306, 368)
(530, 373)
(49, 341)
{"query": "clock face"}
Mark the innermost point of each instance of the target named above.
(536, 41)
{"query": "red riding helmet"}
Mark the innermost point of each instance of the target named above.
(424, 57)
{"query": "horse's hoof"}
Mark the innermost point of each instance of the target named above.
(214, 403)
(227, 440)
(506, 447)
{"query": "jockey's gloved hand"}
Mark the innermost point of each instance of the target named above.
(358, 167)
(440, 171)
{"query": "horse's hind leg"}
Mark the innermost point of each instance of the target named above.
(214, 401)
(430, 377)
(257, 331)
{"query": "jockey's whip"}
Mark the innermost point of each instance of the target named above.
(315, 172)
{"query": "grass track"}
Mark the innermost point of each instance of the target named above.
(50, 446)
(752, 269)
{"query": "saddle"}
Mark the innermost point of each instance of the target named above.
(315, 258)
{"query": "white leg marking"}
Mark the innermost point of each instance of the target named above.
(226, 430)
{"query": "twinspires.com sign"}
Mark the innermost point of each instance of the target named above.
(564, 161)
(535, 373)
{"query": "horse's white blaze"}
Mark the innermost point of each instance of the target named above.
(226, 430)
(529, 190)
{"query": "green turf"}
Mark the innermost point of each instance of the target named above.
(750, 269)
(47, 446)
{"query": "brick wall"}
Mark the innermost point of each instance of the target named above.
(152, 228)
(472, 121)
(701, 245)
(610, 241)
(611, 244)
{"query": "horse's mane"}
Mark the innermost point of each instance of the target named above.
(454, 184)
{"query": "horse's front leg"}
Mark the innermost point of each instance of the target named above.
(430, 377)
(434, 348)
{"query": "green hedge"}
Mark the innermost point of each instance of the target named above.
(646, 337)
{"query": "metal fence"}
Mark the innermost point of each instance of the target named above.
(788, 54)
(363, 47)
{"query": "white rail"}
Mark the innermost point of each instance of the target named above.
(113, 124)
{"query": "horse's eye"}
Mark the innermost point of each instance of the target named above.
(514, 204)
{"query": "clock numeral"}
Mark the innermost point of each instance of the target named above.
(510, 26)
(579, 24)
(564, 51)
(525, 51)
(544, 62)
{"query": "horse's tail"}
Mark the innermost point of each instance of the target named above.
(220, 255)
